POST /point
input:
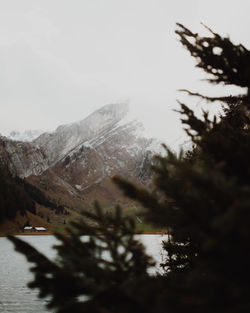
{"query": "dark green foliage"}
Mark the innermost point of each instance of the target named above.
(66, 161)
(201, 197)
(27, 223)
(38, 196)
(13, 197)
(225, 62)
(204, 197)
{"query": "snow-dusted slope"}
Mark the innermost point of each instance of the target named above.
(22, 158)
(109, 141)
(73, 165)
(118, 147)
(66, 137)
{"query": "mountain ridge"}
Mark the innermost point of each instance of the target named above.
(72, 166)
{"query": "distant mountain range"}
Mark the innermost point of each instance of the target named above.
(73, 164)
(28, 135)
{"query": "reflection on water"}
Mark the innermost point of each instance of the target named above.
(15, 296)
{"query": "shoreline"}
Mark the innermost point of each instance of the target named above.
(47, 233)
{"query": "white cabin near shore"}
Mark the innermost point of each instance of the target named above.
(28, 228)
(40, 229)
(31, 228)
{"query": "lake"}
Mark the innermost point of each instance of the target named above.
(16, 297)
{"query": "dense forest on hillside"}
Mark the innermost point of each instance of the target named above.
(38, 196)
(18, 196)
(13, 197)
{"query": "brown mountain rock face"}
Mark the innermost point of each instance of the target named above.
(78, 159)
(66, 137)
(114, 151)
(22, 158)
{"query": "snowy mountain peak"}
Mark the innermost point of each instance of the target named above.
(116, 110)
(105, 116)
(68, 136)
(87, 153)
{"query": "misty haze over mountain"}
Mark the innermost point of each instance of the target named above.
(60, 62)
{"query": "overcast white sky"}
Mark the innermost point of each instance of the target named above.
(60, 60)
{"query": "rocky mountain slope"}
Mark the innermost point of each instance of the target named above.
(66, 137)
(75, 162)
(114, 150)
(22, 158)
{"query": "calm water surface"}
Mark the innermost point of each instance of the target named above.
(15, 296)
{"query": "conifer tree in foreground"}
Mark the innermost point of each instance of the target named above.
(202, 198)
